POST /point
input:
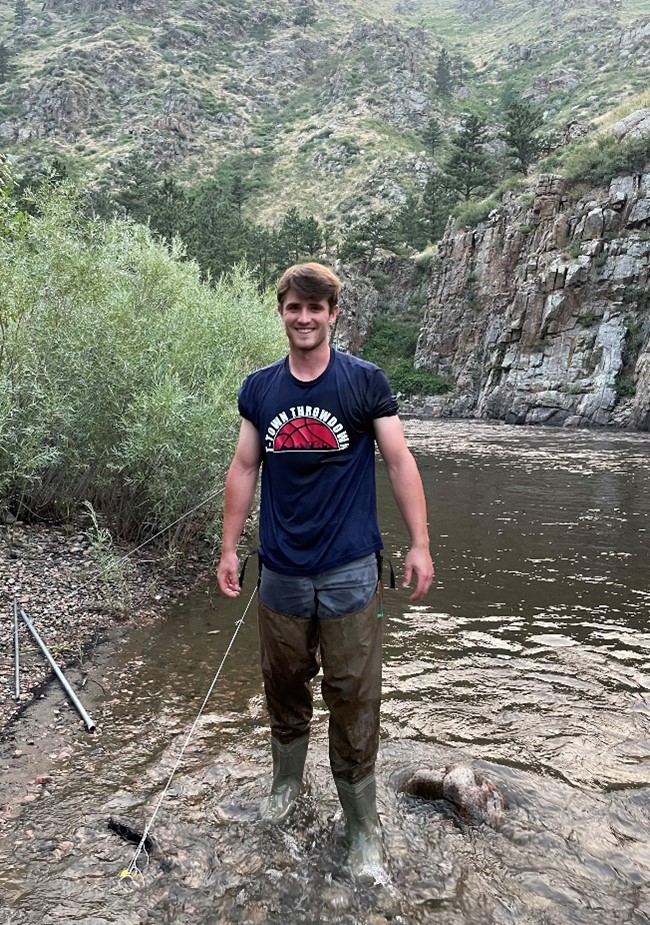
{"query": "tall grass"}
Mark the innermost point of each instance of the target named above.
(119, 370)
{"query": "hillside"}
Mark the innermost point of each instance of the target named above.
(318, 105)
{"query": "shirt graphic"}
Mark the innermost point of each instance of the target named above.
(304, 428)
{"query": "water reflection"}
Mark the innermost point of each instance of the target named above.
(528, 660)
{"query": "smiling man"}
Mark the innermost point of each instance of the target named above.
(311, 421)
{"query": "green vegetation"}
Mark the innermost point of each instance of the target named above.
(21, 11)
(391, 345)
(521, 134)
(597, 160)
(7, 66)
(469, 214)
(443, 73)
(433, 135)
(208, 217)
(626, 388)
(118, 369)
(469, 167)
(363, 240)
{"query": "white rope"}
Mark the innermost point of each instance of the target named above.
(212, 495)
(132, 868)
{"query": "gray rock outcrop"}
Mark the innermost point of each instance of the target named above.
(542, 314)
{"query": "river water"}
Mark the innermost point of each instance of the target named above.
(527, 660)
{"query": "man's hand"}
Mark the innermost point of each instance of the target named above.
(418, 561)
(228, 575)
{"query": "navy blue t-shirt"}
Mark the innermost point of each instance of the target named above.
(318, 500)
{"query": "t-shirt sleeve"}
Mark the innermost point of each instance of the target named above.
(245, 403)
(384, 403)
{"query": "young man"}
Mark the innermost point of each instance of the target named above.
(311, 420)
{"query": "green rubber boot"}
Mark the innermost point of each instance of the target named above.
(365, 851)
(288, 767)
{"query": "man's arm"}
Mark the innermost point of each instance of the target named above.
(407, 487)
(241, 481)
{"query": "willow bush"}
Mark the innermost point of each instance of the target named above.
(119, 369)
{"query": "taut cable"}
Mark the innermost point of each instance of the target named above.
(131, 870)
(214, 494)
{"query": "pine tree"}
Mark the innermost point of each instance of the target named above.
(432, 135)
(136, 182)
(260, 250)
(238, 193)
(468, 167)
(366, 238)
(6, 66)
(438, 200)
(443, 75)
(520, 133)
(290, 237)
(21, 11)
(214, 235)
(297, 239)
(312, 237)
(411, 224)
(168, 205)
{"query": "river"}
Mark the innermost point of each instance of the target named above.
(527, 660)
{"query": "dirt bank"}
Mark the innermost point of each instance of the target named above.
(61, 581)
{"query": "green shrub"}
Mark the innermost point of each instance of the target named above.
(390, 340)
(408, 380)
(626, 388)
(379, 279)
(391, 345)
(598, 161)
(119, 369)
(469, 214)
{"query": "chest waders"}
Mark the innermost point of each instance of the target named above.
(348, 648)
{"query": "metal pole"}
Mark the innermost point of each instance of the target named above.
(57, 671)
(16, 651)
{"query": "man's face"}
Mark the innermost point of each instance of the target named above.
(306, 321)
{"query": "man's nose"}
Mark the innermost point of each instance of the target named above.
(304, 316)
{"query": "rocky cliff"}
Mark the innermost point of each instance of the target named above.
(541, 314)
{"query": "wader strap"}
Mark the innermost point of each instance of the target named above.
(380, 569)
(243, 569)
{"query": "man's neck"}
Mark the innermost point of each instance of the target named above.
(309, 364)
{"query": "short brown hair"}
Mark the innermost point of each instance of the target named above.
(311, 280)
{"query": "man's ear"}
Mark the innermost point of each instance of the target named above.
(334, 313)
(278, 308)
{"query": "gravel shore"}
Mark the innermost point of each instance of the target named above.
(57, 578)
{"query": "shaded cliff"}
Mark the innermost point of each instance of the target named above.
(541, 314)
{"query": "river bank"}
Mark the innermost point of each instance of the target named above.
(76, 594)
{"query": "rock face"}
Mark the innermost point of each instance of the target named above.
(541, 314)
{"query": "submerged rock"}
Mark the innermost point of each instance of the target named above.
(474, 796)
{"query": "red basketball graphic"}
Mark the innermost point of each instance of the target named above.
(304, 434)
